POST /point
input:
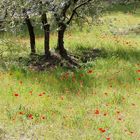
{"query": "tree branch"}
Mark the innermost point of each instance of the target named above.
(75, 9)
(66, 7)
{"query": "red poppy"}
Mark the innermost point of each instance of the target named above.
(108, 139)
(43, 117)
(97, 112)
(30, 116)
(102, 130)
(40, 95)
(139, 79)
(90, 71)
(43, 93)
(31, 92)
(16, 94)
(138, 70)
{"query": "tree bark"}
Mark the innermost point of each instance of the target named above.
(60, 44)
(31, 34)
(46, 27)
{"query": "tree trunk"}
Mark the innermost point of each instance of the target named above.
(31, 34)
(60, 45)
(46, 27)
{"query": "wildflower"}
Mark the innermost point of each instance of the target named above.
(90, 71)
(102, 130)
(139, 79)
(31, 92)
(97, 112)
(40, 95)
(16, 94)
(30, 116)
(43, 117)
(108, 139)
(138, 71)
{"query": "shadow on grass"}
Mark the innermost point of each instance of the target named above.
(89, 54)
(133, 56)
(74, 61)
(62, 80)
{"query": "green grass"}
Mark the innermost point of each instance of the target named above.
(69, 108)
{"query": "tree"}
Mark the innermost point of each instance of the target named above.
(24, 11)
(20, 11)
(46, 26)
(65, 11)
(31, 31)
(3, 15)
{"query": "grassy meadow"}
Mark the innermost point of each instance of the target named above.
(99, 101)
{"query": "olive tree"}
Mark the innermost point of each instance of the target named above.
(18, 12)
(66, 11)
